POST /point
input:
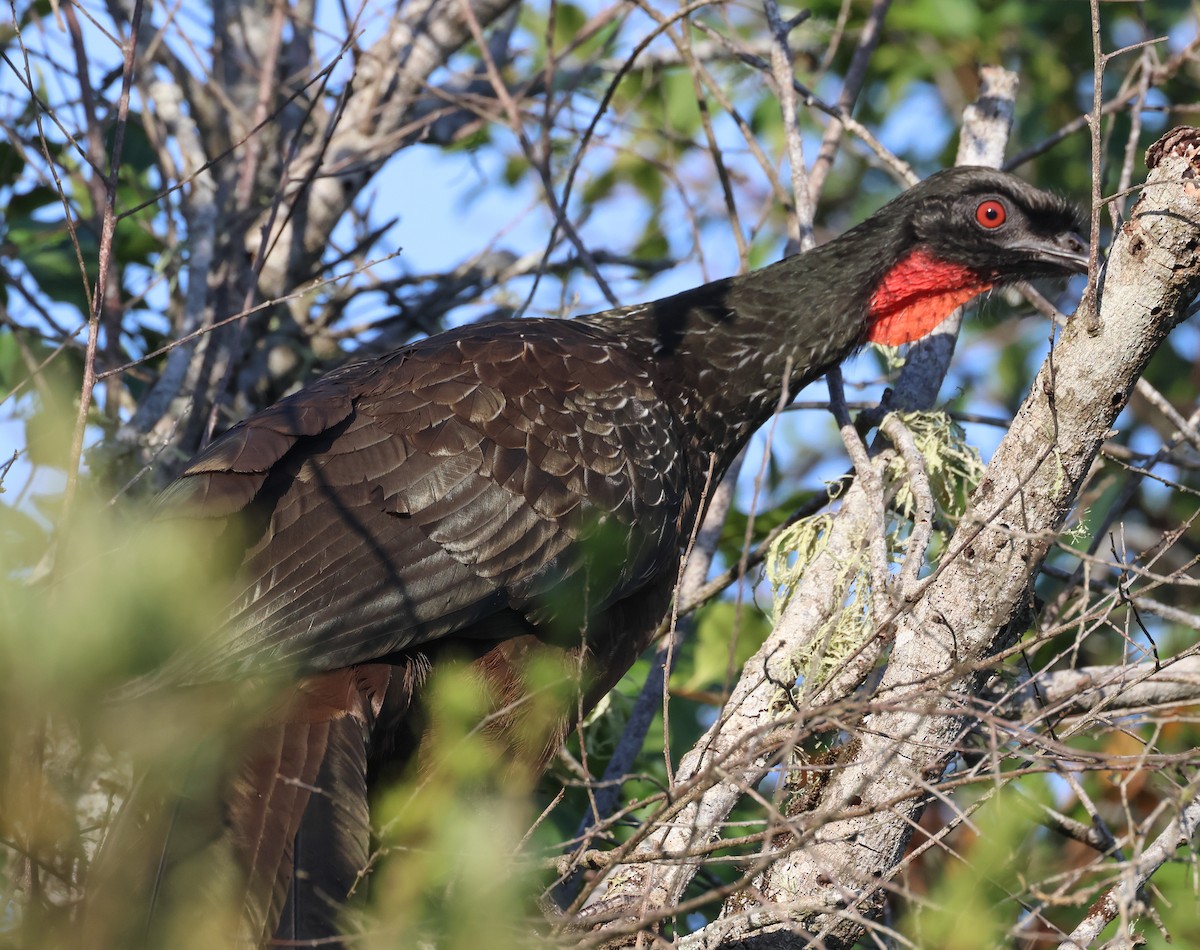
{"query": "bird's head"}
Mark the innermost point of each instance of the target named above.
(963, 231)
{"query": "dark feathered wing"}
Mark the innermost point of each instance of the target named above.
(297, 808)
(405, 500)
(448, 491)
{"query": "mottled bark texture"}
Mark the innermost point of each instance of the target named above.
(926, 701)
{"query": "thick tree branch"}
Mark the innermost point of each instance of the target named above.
(336, 164)
(1153, 273)
(742, 745)
(1089, 688)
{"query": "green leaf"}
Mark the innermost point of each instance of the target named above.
(12, 367)
(652, 245)
(137, 154)
(22, 538)
(647, 179)
(48, 438)
(135, 243)
(726, 636)
(681, 111)
(946, 19)
(46, 250)
(568, 20)
(11, 164)
(599, 186)
(24, 203)
(515, 168)
(471, 142)
(63, 374)
(630, 89)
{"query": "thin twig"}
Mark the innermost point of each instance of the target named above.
(105, 263)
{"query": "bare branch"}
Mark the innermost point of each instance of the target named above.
(1125, 899)
(1153, 273)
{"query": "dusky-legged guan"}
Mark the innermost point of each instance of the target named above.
(441, 501)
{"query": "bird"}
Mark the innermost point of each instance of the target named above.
(445, 503)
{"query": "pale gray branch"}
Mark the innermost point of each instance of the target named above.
(334, 165)
(1132, 686)
(1153, 273)
(736, 751)
(1124, 897)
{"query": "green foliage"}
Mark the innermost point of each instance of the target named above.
(124, 597)
(60, 372)
(454, 828)
(568, 19)
(55, 237)
(11, 164)
(121, 597)
(726, 634)
(946, 19)
(972, 905)
(653, 245)
(49, 254)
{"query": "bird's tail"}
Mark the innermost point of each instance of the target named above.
(269, 851)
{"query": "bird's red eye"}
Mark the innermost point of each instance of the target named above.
(991, 214)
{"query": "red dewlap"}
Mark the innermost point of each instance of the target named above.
(918, 294)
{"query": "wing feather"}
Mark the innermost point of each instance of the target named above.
(404, 500)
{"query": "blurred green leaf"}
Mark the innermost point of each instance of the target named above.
(942, 19)
(61, 370)
(11, 164)
(22, 538)
(653, 244)
(49, 255)
(137, 152)
(12, 364)
(726, 635)
(568, 20)
(599, 187)
(681, 111)
(515, 169)
(24, 203)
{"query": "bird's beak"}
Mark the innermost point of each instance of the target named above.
(1068, 251)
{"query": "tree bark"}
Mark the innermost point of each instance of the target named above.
(927, 698)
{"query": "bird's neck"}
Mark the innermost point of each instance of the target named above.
(726, 351)
(731, 352)
(916, 294)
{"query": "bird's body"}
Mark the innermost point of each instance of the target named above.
(448, 500)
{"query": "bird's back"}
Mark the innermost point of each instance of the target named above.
(408, 499)
(511, 496)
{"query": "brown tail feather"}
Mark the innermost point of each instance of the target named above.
(285, 836)
(297, 810)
